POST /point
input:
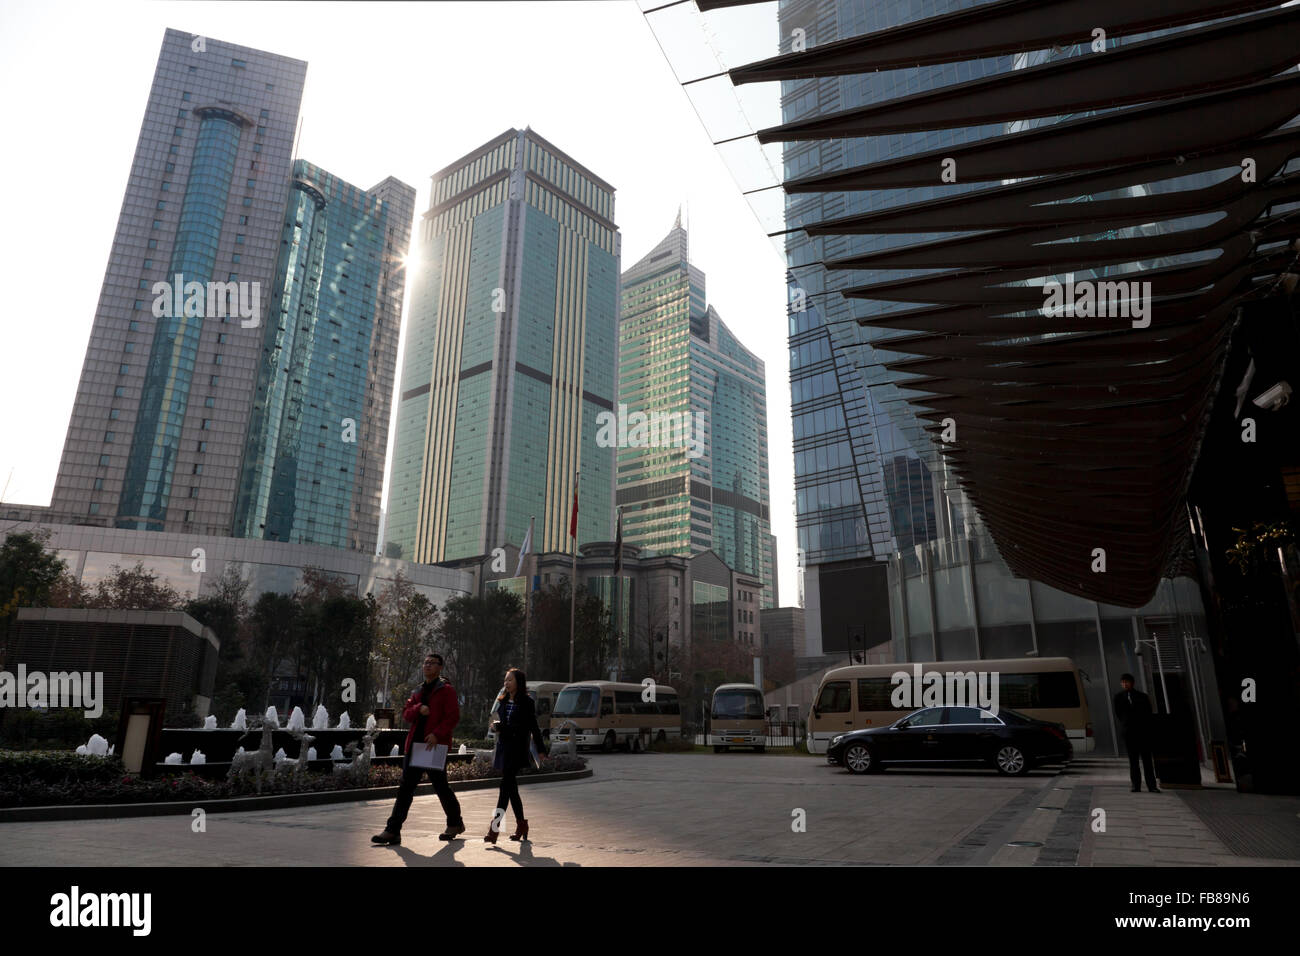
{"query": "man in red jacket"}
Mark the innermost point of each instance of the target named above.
(433, 712)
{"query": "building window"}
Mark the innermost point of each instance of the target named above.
(123, 369)
(239, 238)
(129, 347)
(243, 220)
(99, 484)
(198, 469)
(185, 95)
(119, 392)
(153, 243)
(206, 423)
(248, 200)
(194, 492)
(238, 64)
(214, 379)
(114, 413)
(133, 326)
(108, 438)
(93, 509)
(203, 446)
(209, 402)
(157, 223)
(103, 461)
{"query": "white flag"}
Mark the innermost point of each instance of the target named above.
(525, 548)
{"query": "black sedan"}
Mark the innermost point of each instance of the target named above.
(954, 737)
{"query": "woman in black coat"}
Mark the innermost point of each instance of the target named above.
(516, 726)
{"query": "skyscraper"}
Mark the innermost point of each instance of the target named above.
(510, 357)
(313, 463)
(679, 364)
(185, 395)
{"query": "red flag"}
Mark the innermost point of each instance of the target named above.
(573, 521)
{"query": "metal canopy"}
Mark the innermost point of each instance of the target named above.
(1077, 420)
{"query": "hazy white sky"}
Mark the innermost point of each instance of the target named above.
(396, 89)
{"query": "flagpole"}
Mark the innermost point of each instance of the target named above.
(618, 591)
(573, 581)
(528, 595)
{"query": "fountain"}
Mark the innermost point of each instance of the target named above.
(296, 720)
(240, 722)
(96, 746)
(336, 753)
(256, 763)
(463, 749)
(197, 757)
(272, 717)
(396, 751)
(345, 722)
(311, 753)
(280, 755)
(210, 722)
(172, 758)
(321, 719)
(371, 725)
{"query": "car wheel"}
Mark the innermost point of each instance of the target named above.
(1011, 760)
(610, 741)
(858, 759)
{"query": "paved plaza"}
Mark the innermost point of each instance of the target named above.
(720, 810)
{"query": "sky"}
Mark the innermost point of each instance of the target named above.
(397, 89)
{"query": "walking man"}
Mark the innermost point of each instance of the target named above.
(433, 712)
(1133, 709)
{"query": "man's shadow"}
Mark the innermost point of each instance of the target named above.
(446, 856)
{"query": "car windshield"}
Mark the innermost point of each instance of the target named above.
(576, 702)
(738, 705)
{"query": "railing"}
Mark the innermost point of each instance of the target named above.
(778, 735)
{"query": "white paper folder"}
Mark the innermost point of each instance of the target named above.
(431, 758)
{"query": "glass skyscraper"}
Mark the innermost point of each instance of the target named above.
(314, 458)
(170, 419)
(679, 362)
(510, 357)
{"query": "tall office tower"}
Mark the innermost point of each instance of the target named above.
(680, 364)
(157, 428)
(210, 302)
(313, 464)
(868, 481)
(510, 357)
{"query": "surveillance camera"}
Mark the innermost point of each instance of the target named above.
(1275, 398)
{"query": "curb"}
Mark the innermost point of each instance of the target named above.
(105, 811)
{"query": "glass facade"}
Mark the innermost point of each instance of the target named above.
(509, 357)
(699, 480)
(302, 456)
(151, 461)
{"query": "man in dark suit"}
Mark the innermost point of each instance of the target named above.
(1133, 710)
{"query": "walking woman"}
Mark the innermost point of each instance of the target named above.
(516, 729)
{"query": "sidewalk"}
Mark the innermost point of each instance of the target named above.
(1213, 826)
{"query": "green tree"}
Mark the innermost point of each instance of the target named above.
(548, 642)
(135, 589)
(28, 572)
(275, 629)
(479, 638)
(407, 626)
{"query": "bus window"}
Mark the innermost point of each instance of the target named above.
(606, 706)
(738, 704)
(834, 698)
(576, 702)
(1053, 689)
(543, 707)
(876, 693)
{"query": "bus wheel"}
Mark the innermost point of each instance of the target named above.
(610, 741)
(662, 738)
(636, 744)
